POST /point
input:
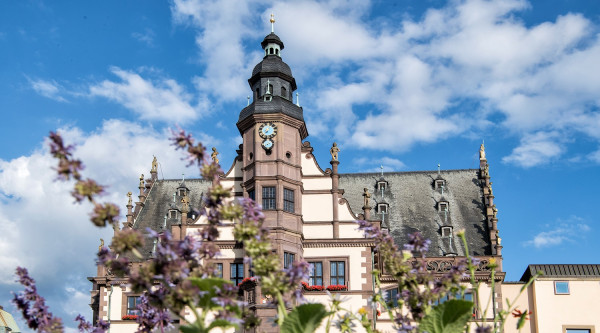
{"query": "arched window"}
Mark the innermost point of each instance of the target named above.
(277, 51)
(271, 50)
(283, 92)
(271, 88)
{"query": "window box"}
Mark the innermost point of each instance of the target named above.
(337, 287)
(249, 281)
(129, 317)
(308, 287)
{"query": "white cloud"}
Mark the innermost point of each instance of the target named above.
(222, 26)
(536, 149)
(566, 231)
(374, 164)
(146, 37)
(41, 228)
(161, 99)
(47, 88)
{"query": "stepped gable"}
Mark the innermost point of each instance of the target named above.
(158, 202)
(413, 206)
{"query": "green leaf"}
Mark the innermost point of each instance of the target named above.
(449, 317)
(208, 286)
(191, 329)
(305, 318)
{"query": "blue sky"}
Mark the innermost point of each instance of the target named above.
(405, 84)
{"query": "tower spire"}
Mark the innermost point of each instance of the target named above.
(272, 20)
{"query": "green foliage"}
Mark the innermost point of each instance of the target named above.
(449, 317)
(305, 318)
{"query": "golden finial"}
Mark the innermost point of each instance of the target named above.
(482, 151)
(272, 20)
(129, 199)
(142, 180)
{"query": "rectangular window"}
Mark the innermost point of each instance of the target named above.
(288, 259)
(315, 273)
(132, 303)
(237, 273)
(219, 270)
(288, 200)
(252, 194)
(561, 287)
(578, 330)
(268, 198)
(338, 273)
(391, 297)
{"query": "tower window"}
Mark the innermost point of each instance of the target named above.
(288, 259)
(257, 93)
(283, 92)
(270, 88)
(271, 50)
(268, 198)
(288, 200)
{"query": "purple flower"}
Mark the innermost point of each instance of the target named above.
(85, 326)
(33, 306)
(151, 317)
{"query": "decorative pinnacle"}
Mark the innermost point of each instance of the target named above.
(438, 168)
(381, 167)
(297, 99)
(272, 20)
(248, 100)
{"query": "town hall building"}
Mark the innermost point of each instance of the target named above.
(310, 209)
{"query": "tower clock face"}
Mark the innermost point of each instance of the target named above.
(267, 130)
(267, 144)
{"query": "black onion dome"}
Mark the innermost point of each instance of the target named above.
(271, 38)
(272, 64)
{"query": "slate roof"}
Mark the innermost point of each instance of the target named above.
(413, 206)
(272, 64)
(159, 201)
(562, 271)
(276, 105)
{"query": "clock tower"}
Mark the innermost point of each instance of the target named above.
(272, 128)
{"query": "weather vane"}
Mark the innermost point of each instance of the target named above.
(272, 22)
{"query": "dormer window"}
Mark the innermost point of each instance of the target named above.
(172, 214)
(443, 206)
(440, 184)
(382, 208)
(446, 231)
(181, 192)
(381, 186)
